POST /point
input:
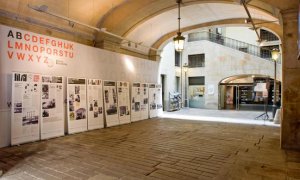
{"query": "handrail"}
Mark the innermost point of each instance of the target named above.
(232, 43)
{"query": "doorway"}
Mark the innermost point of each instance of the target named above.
(243, 92)
(231, 97)
(163, 85)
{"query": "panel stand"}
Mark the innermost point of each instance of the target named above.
(264, 115)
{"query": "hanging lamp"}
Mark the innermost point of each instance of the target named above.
(179, 39)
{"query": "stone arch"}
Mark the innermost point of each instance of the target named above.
(159, 44)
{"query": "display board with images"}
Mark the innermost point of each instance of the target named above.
(159, 102)
(95, 104)
(123, 102)
(52, 107)
(76, 108)
(144, 101)
(152, 101)
(110, 103)
(25, 115)
(136, 97)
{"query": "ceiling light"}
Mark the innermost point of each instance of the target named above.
(179, 39)
(247, 21)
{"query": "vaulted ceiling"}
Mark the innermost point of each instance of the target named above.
(147, 22)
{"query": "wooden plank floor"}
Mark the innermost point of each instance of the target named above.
(156, 149)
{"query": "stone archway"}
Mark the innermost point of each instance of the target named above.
(245, 92)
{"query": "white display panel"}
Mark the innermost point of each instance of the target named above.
(110, 103)
(144, 101)
(25, 111)
(77, 111)
(95, 104)
(80, 61)
(152, 101)
(52, 107)
(123, 102)
(136, 102)
(159, 105)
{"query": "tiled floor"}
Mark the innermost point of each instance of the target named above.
(156, 149)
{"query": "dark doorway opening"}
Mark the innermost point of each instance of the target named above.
(162, 80)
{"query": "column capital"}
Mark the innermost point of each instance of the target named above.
(290, 13)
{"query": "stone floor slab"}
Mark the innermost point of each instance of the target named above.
(159, 148)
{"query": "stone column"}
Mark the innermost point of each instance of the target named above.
(290, 128)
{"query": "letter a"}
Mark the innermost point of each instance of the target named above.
(10, 34)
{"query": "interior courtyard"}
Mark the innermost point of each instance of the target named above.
(152, 89)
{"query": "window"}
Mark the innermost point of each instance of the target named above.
(268, 36)
(218, 30)
(265, 52)
(196, 90)
(177, 59)
(198, 80)
(196, 60)
(244, 49)
(177, 84)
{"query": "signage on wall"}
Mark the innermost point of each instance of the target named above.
(24, 46)
(210, 89)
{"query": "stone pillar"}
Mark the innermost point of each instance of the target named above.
(290, 128)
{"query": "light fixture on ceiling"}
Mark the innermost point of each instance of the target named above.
(247, 21)
(179, 39)
(72, 24)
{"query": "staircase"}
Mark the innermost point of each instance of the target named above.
(258, 51)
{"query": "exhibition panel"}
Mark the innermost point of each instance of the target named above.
(25, 111)
(110, 103)
(76, 108)
(155, 100)
(136, 102)
(25, 51)
(158, 99)
(152, 101)
(95, 104)
(52, 107)
(144, 101)
(123, 102)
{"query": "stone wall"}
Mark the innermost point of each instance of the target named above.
(220, 62)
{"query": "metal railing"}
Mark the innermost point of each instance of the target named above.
(258, 51)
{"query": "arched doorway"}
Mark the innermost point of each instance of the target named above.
(248, 92)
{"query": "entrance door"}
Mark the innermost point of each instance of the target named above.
(237, 97)
(231, 99)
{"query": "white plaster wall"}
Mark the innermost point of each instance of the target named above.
(221, 62)
(166, 67)
(88, 62)
(242, 34)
